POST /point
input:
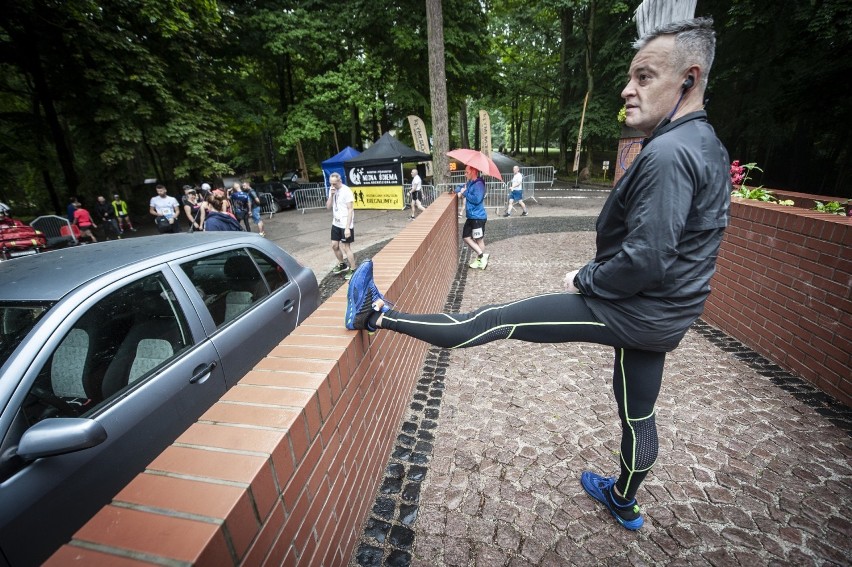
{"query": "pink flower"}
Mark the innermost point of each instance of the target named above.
(737, 173)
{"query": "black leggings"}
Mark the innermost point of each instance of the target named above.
(557, 318)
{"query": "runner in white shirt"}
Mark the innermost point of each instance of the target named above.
(416, 194)
(516, 193)
(165, 210)
(341, 201)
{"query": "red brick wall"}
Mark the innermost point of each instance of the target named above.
(782, 287)
(628, 149)
(283, 469)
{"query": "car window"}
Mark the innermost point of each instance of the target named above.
(274, 274)
(119, 342)
(16, 322)
(229, 282)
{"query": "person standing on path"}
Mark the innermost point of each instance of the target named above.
(416, 194)
(658, 236)
(254, 201)
(341, 201)
(473, 231)
(241, 205)
(104, 214)
(192, 208)
(165, 210)
(122, 216)
(516, 193)
(84, 221)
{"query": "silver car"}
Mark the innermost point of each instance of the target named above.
(108, 352)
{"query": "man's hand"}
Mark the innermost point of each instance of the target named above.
(569, 282)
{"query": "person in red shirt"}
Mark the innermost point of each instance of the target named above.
(84, 221)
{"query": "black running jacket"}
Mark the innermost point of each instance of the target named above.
(658, 236)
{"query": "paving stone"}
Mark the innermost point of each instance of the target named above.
(489, 556)
(740, 537)
(457, 552)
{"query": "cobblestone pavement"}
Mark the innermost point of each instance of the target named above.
(754, 465)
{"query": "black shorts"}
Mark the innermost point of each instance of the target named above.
(416, 196)
(337, 235)
(472, 224)
(165, 227)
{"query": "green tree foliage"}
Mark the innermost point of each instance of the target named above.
(775, 90)
(551, 54)
(111, 85)
(97, 96)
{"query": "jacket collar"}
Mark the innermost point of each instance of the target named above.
(666, 125)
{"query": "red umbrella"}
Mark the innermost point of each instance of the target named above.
(478, 160)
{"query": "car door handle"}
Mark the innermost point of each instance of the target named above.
(203, 373)
(289, 305)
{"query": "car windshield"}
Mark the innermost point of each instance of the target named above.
(16, 321)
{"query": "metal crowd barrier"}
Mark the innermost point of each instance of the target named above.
(496, 194)
(310, 196)
(534, 178)
(267, 204)
(314, 196)
(428, 191)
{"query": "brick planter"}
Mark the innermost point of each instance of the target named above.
(629, 146)
(782, 287)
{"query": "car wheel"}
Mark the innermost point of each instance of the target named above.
(276, 208)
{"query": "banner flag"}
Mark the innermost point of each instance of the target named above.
(421, 139)
(485, 132)
(580, 134)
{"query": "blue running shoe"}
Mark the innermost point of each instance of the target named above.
(363, 300)
(380, 303)
(600, 488)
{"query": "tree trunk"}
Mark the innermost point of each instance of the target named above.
(155, 163)
(590, 77)
(464, 135)
(281, 80)
(45, 100)
(530, 150)
(42, 155)
(377, 129)
(546, 134)
(519, 121)
(566, 25)
(291, 92)
(438, 91)
(476, 142)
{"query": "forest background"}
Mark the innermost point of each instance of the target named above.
(98, 95)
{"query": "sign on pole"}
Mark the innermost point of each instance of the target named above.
(485, 132)
(580, 134)
(421, 139)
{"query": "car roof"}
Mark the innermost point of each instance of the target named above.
(49, 276)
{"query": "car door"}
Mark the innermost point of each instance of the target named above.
(249, 304)
(131, 360)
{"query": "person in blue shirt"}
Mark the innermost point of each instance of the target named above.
(69, 210)
(473, 232)
(241, 205)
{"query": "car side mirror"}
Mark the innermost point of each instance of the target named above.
(59, 436)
